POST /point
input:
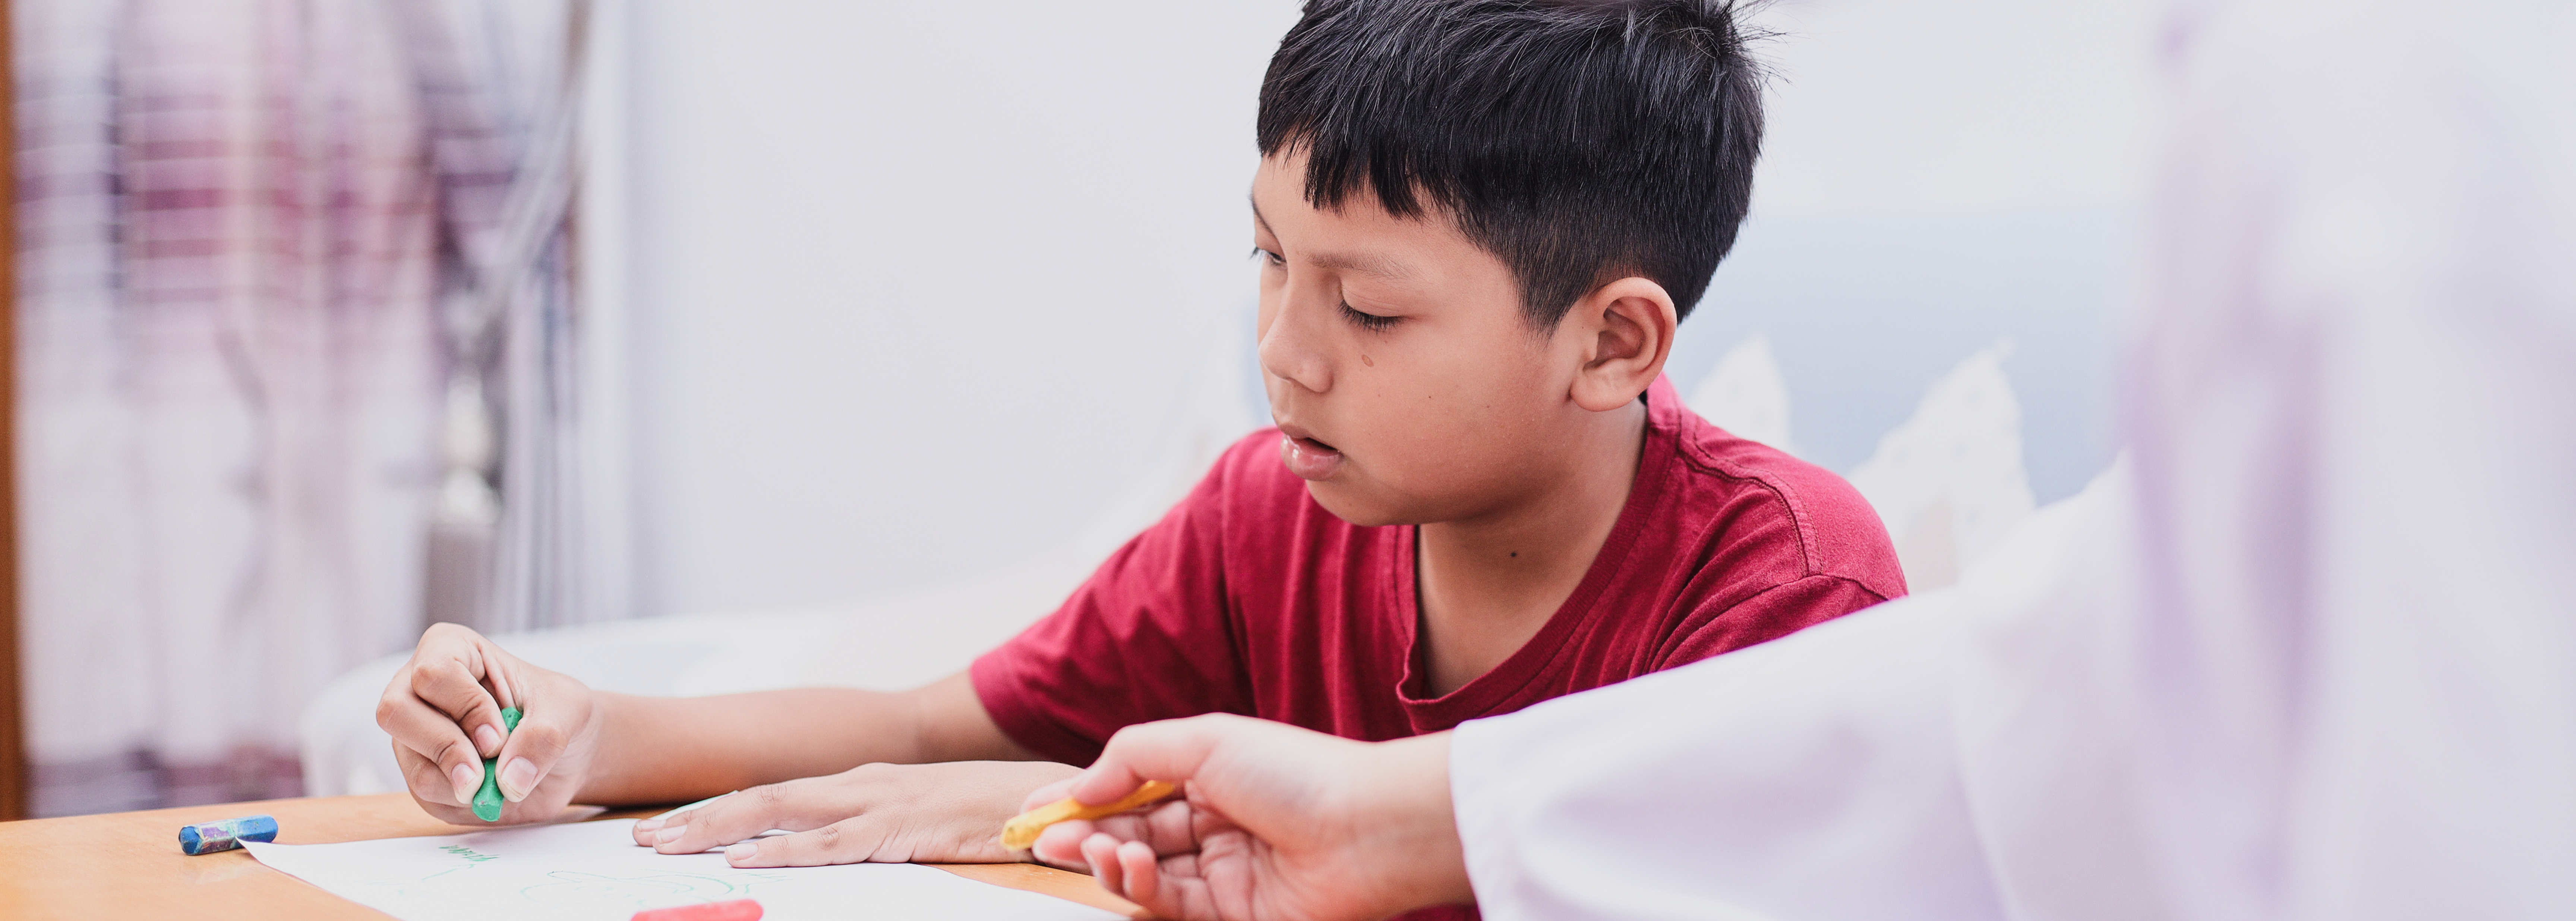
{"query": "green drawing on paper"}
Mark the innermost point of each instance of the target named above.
(469, 853)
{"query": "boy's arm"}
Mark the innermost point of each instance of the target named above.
(934, 779)
(675, 749)
(443, 710)
(1143, 638)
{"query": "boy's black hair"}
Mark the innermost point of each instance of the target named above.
(1580, 142)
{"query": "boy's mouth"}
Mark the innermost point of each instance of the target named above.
(1306, 457)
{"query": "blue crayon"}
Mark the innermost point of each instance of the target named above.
(226, 835)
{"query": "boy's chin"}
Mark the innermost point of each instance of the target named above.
(1357, 504)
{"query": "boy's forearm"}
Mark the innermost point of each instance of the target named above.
(675, 749)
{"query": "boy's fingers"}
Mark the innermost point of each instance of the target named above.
(846, 841)
(667, 829)
(429, 785)
(429, 735)
(533, 748)
(423, 777)
(455, 689)
(734, 818)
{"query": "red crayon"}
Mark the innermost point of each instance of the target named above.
(736, 910)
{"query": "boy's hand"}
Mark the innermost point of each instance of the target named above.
(884, 813)
(444, 711)
(1277, 823)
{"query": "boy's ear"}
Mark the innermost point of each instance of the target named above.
(1626, 331)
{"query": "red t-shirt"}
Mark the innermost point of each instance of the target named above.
(1250, 598)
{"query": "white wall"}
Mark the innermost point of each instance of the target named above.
(1938, 177)
(911, 285)
(1971, 104)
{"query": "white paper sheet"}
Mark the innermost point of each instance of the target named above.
(594, 870)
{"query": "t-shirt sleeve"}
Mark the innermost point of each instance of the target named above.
(1149, 636)
(1776, 612)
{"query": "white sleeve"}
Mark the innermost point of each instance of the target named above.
(1812, 777)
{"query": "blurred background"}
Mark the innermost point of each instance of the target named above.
(707, 347)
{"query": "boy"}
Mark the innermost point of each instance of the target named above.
(1480, 222)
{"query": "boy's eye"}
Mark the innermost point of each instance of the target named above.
(1368, 321)
(1268, 256)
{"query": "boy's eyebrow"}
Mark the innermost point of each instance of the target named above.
(1364, 263)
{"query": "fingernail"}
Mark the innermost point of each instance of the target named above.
(520, 775)
(741, 852)
(487, 739)
(645, 825)
(668, 835)
(468, 782)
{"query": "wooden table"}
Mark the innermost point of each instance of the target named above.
(128, 865)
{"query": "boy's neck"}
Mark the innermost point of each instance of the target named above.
(1487, 584)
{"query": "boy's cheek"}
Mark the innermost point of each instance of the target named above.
(1422, 450)
(1371, 488)
(1399, 478)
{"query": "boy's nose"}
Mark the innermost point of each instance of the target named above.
(1289, 354)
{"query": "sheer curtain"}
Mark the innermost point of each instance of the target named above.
(286, 280)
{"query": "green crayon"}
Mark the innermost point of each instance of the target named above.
(487, 801)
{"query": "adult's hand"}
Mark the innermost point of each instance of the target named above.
(1276, 823)
(888, 813)
(444, 713)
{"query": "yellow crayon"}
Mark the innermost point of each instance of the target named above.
(1021, 833)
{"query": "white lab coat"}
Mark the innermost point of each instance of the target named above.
(2309, 653)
